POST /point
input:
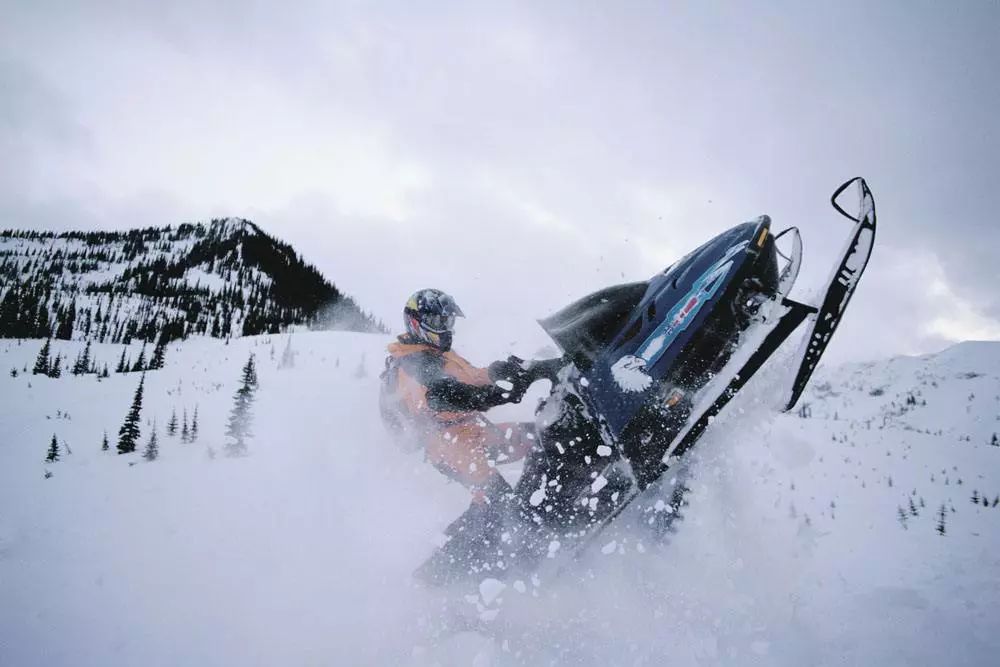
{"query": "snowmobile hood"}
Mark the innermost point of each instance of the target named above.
(630, 339)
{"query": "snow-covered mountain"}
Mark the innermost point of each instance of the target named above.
(865, 530)
(226, 278)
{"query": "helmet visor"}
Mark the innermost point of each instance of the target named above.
(438, 323)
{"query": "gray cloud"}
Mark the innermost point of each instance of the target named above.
(523, 154)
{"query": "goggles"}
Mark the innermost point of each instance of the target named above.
(438, 323)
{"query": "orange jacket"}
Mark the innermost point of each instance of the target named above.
(411, 367)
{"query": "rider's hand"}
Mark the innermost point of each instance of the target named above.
(511, 372)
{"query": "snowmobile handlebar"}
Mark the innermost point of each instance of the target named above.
(543, 369)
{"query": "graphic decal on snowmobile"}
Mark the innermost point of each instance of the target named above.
(629, 372)
(678, 319)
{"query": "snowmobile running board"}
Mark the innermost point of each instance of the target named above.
(825, 318)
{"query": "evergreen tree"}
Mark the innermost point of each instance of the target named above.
(104, 373)
(942, 513)
(975, 497)
(140, 363)
(995, 441)
(156, 363)
(152, 451)
(82, 364)
(194, 425)
(185, 432)
(55, 370)
(240, 418)
(122, 366)
(913, 508)
(172, 424)
(128, 435)
(104, 442)
(65, 329)
(288, 356)
(901, 517)
(53, 454)
(42, 361)
(42, 327)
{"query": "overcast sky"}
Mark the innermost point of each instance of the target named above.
(520, 155)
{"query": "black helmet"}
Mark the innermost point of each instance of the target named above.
(429, 317)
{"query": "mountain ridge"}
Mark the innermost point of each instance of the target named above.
(222, 279)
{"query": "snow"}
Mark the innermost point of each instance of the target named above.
(599, 483)
(790, 550)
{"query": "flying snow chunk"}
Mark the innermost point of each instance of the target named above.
(553, 548)
(490, 588)
(610, 547)
(598, 484)
(603, 450)
(505, 385)
(537, 497)
(630, 374)
(519, 586)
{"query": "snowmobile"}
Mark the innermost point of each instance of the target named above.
(646, 366)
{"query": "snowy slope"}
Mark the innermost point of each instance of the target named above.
(792, 550)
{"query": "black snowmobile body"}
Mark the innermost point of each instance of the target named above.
(646, 366)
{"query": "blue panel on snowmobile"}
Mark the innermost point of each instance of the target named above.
(651, 344)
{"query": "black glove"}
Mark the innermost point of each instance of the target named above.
(512, 370)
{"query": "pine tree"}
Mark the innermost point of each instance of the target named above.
(42, 361)
(157, 361)
(104, 373)
(122, 366)
(140, 363)
(942, 513)
(185, 433)
(995, 441)
(82, 364)
(129, 432)
(104, 442)
(53, 454)
(240, 418)
(55, 371)
(913, 508)
(975, 497)
(172, 424)
(901, 517)
(152, 450)
(194, 425)
(288, 356)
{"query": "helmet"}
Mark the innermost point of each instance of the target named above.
(429, 317)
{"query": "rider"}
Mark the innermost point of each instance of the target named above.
(435, 398)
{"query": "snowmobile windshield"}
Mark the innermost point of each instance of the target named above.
(586, 327)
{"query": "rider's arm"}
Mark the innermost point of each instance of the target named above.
(450, 394)
(445, 393)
